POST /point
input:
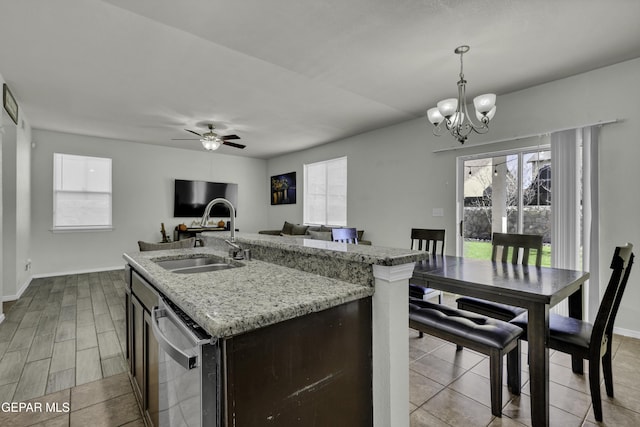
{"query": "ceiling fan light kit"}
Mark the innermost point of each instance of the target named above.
(211, 144)
(212, 141)
(451, 114)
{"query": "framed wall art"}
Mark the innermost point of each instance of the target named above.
(283, 189)
(10, 103)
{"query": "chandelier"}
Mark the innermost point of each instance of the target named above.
(451, 114)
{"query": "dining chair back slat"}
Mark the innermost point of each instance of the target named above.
(520, 246)
(425, 239)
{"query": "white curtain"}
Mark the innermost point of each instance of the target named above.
(591, 219)
(574, 231)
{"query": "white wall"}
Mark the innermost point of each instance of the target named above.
(142, 198)
(2, 130)
(9, 205)
(16, 207)
(23, 208)
(395, 178)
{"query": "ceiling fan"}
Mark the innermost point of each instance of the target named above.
(211, 140)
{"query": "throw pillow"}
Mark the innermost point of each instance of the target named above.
(298, 230)
(287, 228)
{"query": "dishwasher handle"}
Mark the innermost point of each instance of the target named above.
(185, 360)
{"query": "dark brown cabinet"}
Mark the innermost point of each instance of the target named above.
(311, 370)
(151, 372)
(137, 349)
(143, 347)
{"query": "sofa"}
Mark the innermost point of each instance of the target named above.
(319, 232)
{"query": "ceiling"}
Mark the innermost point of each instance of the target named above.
(286, 75)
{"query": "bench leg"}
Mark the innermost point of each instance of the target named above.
(495, 379)
(514, 370)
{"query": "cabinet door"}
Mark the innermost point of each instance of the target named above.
(128, 325)
(137, 347)
(151, 373)
(313, 370)
(127, 313)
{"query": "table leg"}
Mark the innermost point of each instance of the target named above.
(575, 311)
(538, 338)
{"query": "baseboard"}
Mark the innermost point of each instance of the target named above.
(23, 288)
(626, 332)
(65, 273)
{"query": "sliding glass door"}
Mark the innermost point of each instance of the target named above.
(506, 192)
(550, 189)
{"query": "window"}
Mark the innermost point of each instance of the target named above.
(325, 192)
(81, 192)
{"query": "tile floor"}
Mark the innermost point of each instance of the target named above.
(62, 343)
(448, 388)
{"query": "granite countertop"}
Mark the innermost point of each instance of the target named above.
(365, 254)
(229, 302)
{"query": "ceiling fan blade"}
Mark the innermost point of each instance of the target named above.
(193, 132)
(228, 137)
(233, 144)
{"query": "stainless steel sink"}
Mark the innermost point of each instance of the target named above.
(197, 265)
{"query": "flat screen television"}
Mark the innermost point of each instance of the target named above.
(191, 197)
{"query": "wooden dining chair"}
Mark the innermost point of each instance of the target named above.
(345, 235)
(426, 239)
(429, 240)
(519, 245)
(513, 248)
(592, 341)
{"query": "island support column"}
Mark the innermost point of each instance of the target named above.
(391, 345)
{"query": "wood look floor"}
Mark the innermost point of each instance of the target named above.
(62, 343)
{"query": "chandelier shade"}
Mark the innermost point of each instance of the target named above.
(484, 103)
(451, 114)
(447, 107)
(434, 116)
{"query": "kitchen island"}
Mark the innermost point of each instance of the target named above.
(307, 296)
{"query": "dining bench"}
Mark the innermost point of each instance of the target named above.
(491, 337)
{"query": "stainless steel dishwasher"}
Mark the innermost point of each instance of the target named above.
(189, 371)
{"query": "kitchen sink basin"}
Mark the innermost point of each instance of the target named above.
(197, 265)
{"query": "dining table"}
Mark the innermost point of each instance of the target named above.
(535, 288)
